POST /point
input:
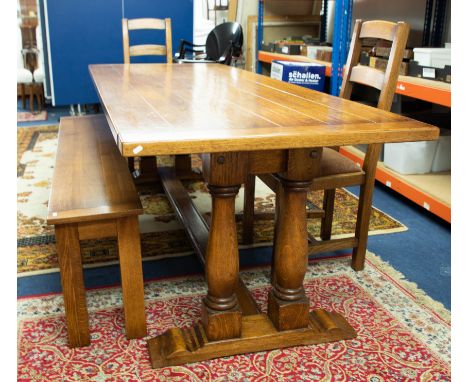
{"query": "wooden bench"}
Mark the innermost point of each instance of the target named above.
(93, 196)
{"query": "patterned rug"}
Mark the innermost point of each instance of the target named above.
(26, 116)
(161, 233)
(403, 335)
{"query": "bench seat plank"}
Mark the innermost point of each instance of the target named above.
(101, 185)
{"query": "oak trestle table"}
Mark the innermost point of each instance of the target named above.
(241, 123)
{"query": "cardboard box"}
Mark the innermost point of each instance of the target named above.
(441, 161)
(381, 64)
(309, 75)
(324, 55)
(433, 57)
(432, 73)
(312, 50)
(382, 51)
(288, 48)
(410, 157)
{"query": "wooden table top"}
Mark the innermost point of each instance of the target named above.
(158, 109)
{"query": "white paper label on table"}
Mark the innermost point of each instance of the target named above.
(137, 149)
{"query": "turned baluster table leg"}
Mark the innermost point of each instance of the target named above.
(221, 314)
(288, 306)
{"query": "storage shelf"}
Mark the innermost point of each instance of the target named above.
(431, 191)
(420, 88)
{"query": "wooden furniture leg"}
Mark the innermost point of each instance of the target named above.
(148, 166)
(327, 220)
(365, 206)
(249, 210)
(71, 272)
(23, 95)
(131, 164)
(183, 164)
(128, 236)
(40, 97)
(221, 314)
(31, 98)
(288, 306)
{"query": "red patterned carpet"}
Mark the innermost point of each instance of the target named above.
(403, 335)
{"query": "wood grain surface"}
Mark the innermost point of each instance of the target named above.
(101, 186)
(156, 109)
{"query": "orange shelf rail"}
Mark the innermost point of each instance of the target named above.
(426, 90)
(419, 88)
(413, 193)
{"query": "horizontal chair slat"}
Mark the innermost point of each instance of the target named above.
(147, 50)
(146, 23)
(378, 29)
(368, 76)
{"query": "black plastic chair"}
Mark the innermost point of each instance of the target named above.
(223, 45)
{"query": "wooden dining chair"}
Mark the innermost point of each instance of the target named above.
(147, 164)
(337, 170)
(147, 49)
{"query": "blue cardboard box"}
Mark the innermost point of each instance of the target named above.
(307, 74)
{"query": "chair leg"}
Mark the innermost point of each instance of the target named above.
(128, 237)
(249, 210)
(183, 164)
(148, 167)
(31, 99)
(40, 98)
(327, 220)
(365, 206)
(131, 164)
(71, 273)
(23, 96)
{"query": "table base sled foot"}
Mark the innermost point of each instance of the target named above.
(181, 346)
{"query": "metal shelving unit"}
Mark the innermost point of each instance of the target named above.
(417, 188)
(419, 88)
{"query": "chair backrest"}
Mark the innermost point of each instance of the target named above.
(226, 39)
(385, 81)
(147, 49)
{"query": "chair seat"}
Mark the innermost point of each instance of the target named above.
(334, 163)
(39, 75)
(23, 76)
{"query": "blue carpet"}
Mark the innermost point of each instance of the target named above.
(422, 253)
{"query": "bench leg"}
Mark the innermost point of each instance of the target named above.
(71, 273)
(128, 236)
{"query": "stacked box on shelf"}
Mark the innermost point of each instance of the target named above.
(309, 75)
(377, 57)
(419, 157)
(432, 63)
(442, 156)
